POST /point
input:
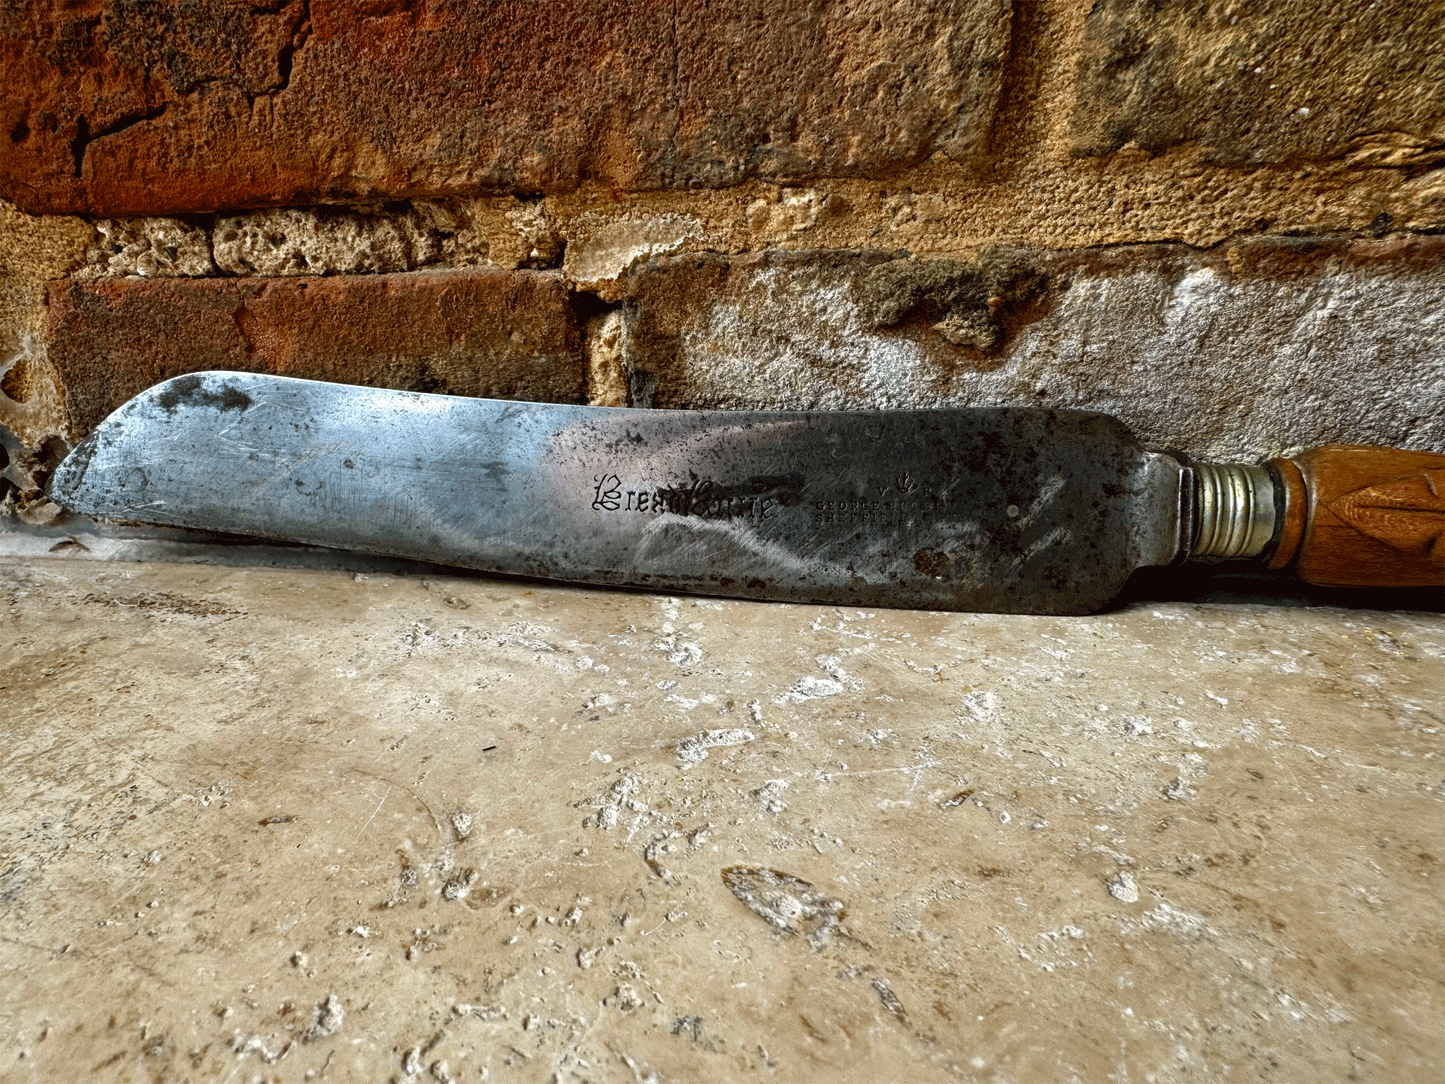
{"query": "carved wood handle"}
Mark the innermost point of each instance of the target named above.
(1353, 516)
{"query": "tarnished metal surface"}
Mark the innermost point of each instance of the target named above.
(1011, 510)
(1234, 511)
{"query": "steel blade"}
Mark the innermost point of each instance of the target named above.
(1015, 510)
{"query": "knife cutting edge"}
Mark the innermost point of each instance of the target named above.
(1015, 510)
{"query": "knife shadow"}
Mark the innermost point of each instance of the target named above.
(1206, 584)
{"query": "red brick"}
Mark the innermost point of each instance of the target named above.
(497, 334)
(121, 108)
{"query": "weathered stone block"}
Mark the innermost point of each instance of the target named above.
(1242, 351)
(127, 109)
(506, 335)
(326, 239)
(159, 247)
(1265, 83)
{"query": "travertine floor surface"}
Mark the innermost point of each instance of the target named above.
(317, 825)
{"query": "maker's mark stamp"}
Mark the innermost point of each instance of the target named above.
(756, 498)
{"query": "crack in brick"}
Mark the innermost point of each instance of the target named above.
(84, 137)
(285, 66)
(286, 55)
(286, 60)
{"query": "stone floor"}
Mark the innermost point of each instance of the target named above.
(309, 824)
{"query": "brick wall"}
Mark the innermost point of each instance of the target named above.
(1218, 221)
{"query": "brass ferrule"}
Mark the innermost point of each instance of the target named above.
(1234, 511)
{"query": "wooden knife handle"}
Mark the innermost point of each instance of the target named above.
(1352, 516)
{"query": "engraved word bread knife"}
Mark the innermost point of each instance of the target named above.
(1008, 510)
